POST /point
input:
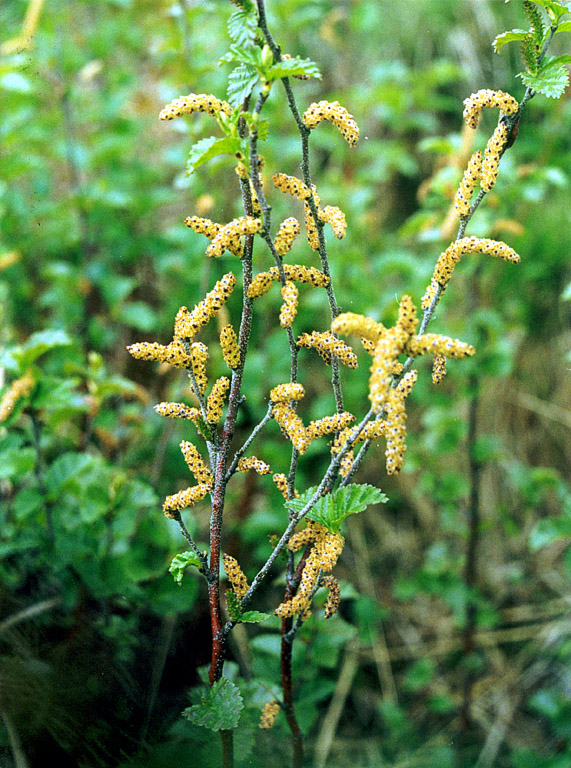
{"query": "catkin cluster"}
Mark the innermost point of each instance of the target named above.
(18, 388)
(486, 97)
(325, 551)
(336, 114)
(190, 496)
(194, 102)
(229, 233)
(211, 230)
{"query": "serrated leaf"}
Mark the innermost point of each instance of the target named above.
(551, 82)
(206, 149)
(508, 37)
(66, 469)
(254, 617)
(556, 61)
(565, 26)
(38, 344)
(332, 509)
(241, 82)
(242, 26)
(241, 55)
(219, 709)
(181, 562)
(293, 66)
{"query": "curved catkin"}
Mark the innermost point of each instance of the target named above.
(451, 256)
(486, 97)
(187, 324)
(299, 273)
(195, 463)
(336, 218)
(216, 398)
(492, 155)
(18, 389)
(436, 344)
(291, 425)
(288, 231)
(328, 424)
(269, 713)
(194, 102)
(184, 499)
(327, 345)
(229, 347)
(252, 462)
(236, 575)
(288, 311)
(470, 178)
(350, 322)
(280, 481)
(291, 185)
(336, 114)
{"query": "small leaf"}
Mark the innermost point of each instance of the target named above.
(508, 37)
(242, 26)
(254, 617)
(332, 509)
(206, 149)
(181, 562)
(565, 26)
(294, 66)
(551, 82)
(219, 709)
(241, 55)
(241, 82)
(139, 315)
(38, 344)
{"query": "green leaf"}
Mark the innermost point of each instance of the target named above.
(181, 562)
(293, 66)
(240, 55)
(38, 344)
(234, 605)
(242, 26)
(139, 315)
(555, 62)
(551, 82)
(206, 149)
(68, 468)
(332, 509)
(241, 82)
(565, 26)
(219, 709)
(508, 37)
(254, 617)
(16, 462)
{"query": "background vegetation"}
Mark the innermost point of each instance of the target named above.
(432, 662)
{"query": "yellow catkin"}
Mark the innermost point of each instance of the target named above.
(146, 350)
(492, 154)
(184, 499)
(407, 319)
(269, 713)
(194, 102)
(216, 398)
(328, 424)
(327, 344)
(336, 218)
(335, 113)
(306, 536)
(288, 310)
(18, 389)
(334, 597)
(323, 557)
(351, 323)
(245, 225)
(291, 425)
(429, 294)
(229, 346)
(281, 484)
(236, 576)
(388, 348)
(187, 324)
(452, 255)
(177, 411)
(435, 343)
(299, 273)
(486, 97)
(195, 463)
(395, 423)
(284, 393)
(199, 357)
(438, 369)
(291, 185)
(211, 229)
(311, 228)
(470, 178)
(288, 231)
(251, 462)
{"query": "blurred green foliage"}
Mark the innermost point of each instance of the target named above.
(94, 255)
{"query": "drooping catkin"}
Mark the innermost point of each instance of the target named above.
(269, 714)
(336, 114)
(194, 102)
(486, 97)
